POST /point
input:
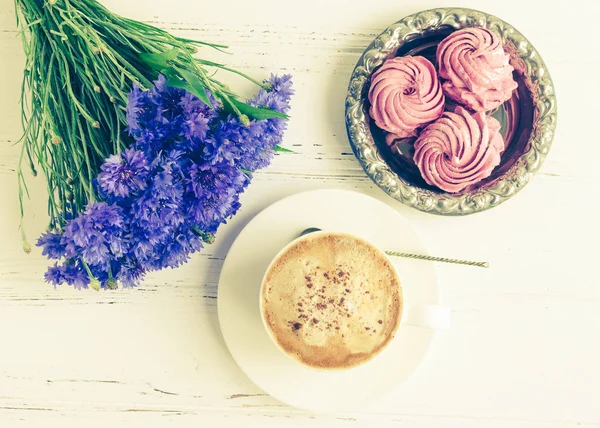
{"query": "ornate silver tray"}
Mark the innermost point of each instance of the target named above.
(528, 119)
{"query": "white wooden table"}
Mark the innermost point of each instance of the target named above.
(524, 348)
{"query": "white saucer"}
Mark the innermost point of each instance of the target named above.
(238, 300)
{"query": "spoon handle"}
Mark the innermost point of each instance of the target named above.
(438, 259)
(417, 256)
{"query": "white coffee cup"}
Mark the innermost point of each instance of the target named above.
(416, 315)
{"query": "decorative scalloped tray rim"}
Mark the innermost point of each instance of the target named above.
(496, 192)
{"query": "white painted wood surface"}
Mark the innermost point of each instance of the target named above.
(524, 349)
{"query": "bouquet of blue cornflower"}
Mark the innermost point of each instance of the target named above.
(144, 152)
(165, 195)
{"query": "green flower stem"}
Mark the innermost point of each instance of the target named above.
(239, 73)
(111, 283)
(25, 243)
(94, 283)
(81, 63)
(207, 238)
(87, 162)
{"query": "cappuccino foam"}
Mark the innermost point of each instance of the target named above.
(332, 300)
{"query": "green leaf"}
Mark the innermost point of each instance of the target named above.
(175, 82)
(278, 148)
(178, 83)
(258, 113)
(160, 61)
(194, 85)
(209, 63)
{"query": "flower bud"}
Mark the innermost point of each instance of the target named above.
(244, 120)
(97, 88)
(208, 238)
(95, 284)
(56, 140)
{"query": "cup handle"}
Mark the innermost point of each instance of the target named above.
(429, 316)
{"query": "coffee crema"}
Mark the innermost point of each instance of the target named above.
(331, 300)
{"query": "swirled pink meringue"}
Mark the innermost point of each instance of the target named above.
(405, 95)
(475, 68)
(459, 149)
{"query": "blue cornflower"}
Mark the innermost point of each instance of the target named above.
(191, 104)
(143, 240)
(278, 98)
(198, 116)
(181, 179)
(163, 115)
(282, 85)
(52, 246)
(158, 207)
(123, 174)
(248, 147)
(254, 144)
(74, 275)
(141, 111)
(169, 111)
(133, 108)
(54, 275)
(96, 252)
(131, 273)
(226, 142)
(197, 126)
(157, 215)
(92, 235)
(70, 273)
(178, 250)
(215, 190)
(207, 180)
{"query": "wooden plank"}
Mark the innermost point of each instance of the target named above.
(523, 348)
